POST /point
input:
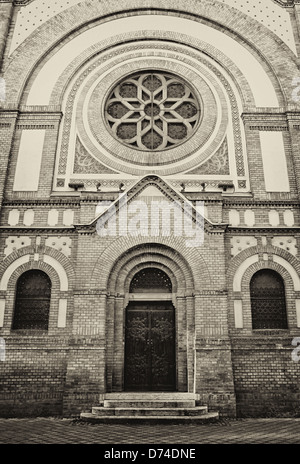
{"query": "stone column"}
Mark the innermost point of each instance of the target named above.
(110, 328)
(181, 333)
(119, 345)
(190, 315)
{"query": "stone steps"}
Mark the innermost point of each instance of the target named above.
(131, 403)
(148, 411)
(149, 407)
(174, 396)
(92, 418)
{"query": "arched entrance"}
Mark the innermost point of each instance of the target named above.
(150, 336)
(129, 281)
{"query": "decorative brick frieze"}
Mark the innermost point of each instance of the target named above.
(16, 242)
(34, 126)
(240, 243)
(62, 244)
(269, 128)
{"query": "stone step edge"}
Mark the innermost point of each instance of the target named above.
(149, 395)
(87, 416)
(96, 410)
(153, 404)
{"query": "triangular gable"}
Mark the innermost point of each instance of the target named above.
(155, 188)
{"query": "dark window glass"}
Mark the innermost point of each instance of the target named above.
(268, 300)
(151, 280)
(32, 302)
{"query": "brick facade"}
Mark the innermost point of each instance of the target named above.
(58, 72)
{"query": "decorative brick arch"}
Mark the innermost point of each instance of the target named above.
(289, 290)
(190, 47)
(158, 265)
(14, 268)
(23, 264)
(204, 12)
(258, 266)
(240, 264)
(172, 247)
(53, 263)
(254, 259)
(137, 258)
(56, 262)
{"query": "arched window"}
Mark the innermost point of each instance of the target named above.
(32, 302)
(268, 300)
(151, 280)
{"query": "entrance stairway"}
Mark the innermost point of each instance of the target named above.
(149, 407)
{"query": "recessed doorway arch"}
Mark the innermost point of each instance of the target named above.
(121, 296)
(150, 333)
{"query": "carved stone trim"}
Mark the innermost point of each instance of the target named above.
(34, 126)
(239, 156)
(84, 163)
(217, 164)
(269, 128)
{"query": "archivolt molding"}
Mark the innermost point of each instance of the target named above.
(53, 260)
(155, 255)
(288, 277)
(204, 12)
(24, 263)
(136, 266)
(198, 50)
(191, 60)
(263, 257)
(104, 274)
(122, 274)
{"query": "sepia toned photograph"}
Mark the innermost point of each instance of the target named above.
(150, 225)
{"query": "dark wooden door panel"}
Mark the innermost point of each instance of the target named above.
(163, 349)
(150, 347)
(137, 350)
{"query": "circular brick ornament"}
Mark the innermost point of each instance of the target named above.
(152, 111)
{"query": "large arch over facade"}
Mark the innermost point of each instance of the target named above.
(203, 13)
(89, 56)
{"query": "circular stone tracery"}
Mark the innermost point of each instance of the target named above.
(152, 111)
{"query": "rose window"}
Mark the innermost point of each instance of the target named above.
(152, 111)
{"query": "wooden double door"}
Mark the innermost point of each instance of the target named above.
(150, 362)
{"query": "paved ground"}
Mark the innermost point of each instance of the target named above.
(66, 431)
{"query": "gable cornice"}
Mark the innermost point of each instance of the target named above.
(167, 190)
